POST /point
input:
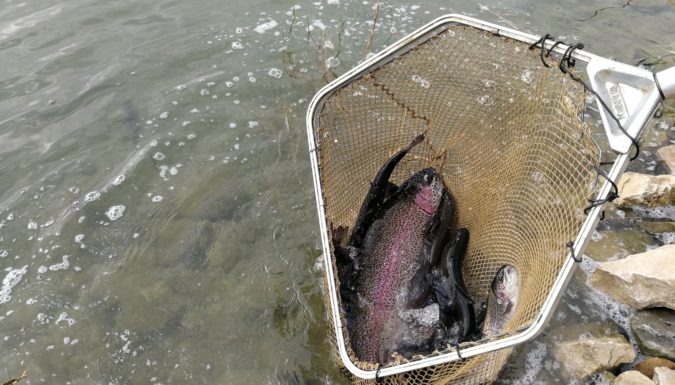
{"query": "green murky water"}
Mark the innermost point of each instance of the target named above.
(157, 217)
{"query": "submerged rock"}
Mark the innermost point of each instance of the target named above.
(667, 155)
(645, 190)
(655, 332)
(583, 357)
(664, 376)
(632, 377)
(647, 365)
(640, 280)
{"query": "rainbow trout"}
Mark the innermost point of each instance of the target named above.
(388, 291)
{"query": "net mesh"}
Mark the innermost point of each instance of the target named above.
(504, 132)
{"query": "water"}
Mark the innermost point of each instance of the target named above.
(157, 217)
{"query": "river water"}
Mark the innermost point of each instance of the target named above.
(157, 216)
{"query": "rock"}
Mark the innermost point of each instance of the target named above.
(647, 365)
(654, 332)
(632, 377)
(664, 376)
(640, 280)
(585, 356)
(645, 190)
(667, 155)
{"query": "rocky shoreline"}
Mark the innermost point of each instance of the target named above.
(642, 352)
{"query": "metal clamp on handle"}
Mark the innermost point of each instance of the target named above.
(632, 95)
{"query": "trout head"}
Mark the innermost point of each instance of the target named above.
(428, 189)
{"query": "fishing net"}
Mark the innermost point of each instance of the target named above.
(506, 135)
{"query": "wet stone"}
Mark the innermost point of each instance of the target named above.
(664, 376)
(648, 365)
(667, 156)
(632, 377)
(640, 280)
(584, 356)
(645, 190)
(655, 332)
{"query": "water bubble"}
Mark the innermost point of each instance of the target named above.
(229, 84)
(264, 27)
(526, 77)
(204, 92)
(79, 238)
(164, 115)
(63, 265)
(275, 73)
(115, 212)
(118, 180)
(332, 62)
(157, 198)
(237, 45)
(32, 225)
(92, 196)
(158, 156)
(173, 171)
(180, 87)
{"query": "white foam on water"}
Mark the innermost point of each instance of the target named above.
(63, 317)
(264, 27)
(534, 362)
(79, 238)
(118, 180)
(157, 198)
(92, 196)
(318, 24)
(526, 77)
(63, 265)
(115, 212)
(667, 238)
(665, 212)
(32, 225)
(332, 62)
(12, 278)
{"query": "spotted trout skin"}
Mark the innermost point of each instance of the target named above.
(392, 253)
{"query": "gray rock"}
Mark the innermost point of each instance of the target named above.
(664, 376)
(582, 357)
(632, 377)
(640, 280)
(645, 190)
(655, 332)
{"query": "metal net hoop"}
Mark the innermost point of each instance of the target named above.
(503, 130)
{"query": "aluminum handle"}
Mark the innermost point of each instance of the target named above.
(666, 81)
